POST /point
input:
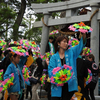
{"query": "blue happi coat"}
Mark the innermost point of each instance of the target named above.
(18, 85)
(70, 57)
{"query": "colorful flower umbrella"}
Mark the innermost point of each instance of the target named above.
(73, 42)
(34, 46)
(29, 44)
(36, 53)
(43, 57)
(54, 32)
(80, 27)
(1, 75)
(7, 82)
(19, 51)
(14, 42)
(61, 75)
(25, 44)
(2, 44)
(25, 73)
(48, 54)
(86, 51)
(43, 79)
(89, 78)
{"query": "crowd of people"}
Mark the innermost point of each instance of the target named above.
(74, 57)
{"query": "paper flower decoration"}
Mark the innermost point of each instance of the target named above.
(48, 54)
(36, 53)
(1, 75)
(89, 78)
(54, 32)
(61, 75)
(34, 46)
(24, 43)
(14, 42)
(25, 73)
(28, 44)
(7, 82)
(43, 57)
(19, 51)
(86, 51)
(43, 79)
(73, 42)
(80, 27)
(2, 44)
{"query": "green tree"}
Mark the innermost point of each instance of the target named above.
(19, 7)
(7, 17)
(15, 21)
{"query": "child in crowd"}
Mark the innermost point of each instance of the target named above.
(14, 90)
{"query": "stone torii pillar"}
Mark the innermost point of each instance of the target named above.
(95, 37)
(45, 32)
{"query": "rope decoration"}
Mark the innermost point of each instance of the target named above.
(68, 33)
(93, 14)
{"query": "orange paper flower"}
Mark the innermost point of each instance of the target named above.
(63, 77)
(15, 42)
(41, 79)
(11, 84)
(33, 42)
(19, 47)
(76, 43)
(81, 24)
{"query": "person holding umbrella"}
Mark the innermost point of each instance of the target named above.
(65, 56)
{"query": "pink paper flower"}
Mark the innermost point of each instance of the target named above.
(1, 88)
(83, 30)
(89, 71)
(52, 80)
(69, 42)
(56, 69)
(1, 70)
(71, 28)
(60, 84)
(5, 81)
(91, 29)
(66, 66)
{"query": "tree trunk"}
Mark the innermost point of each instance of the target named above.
(19, 20)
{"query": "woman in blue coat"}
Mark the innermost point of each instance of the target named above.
(68, 57)
(15, 89)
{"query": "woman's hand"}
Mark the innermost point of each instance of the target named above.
(84, 37)
(2, 55)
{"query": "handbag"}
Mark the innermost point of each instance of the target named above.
(33, 80)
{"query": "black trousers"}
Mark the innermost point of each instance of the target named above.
(89, 89)
(29, 89)
(66, 95)
(91, 92)
(49, 92)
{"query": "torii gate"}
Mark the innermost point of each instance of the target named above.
(71, 17)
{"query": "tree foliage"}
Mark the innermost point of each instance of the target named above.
(12, 14)
(7, 17)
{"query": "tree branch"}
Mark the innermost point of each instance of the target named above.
(5, 30)
(19, 19)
